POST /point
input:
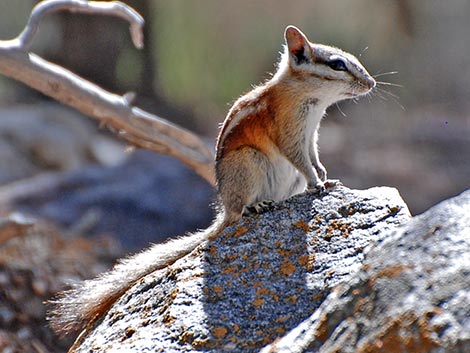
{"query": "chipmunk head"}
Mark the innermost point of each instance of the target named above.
(334, 74)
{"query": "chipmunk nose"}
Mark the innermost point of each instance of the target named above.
(370, 82)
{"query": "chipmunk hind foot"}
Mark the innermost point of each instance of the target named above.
(257, 208)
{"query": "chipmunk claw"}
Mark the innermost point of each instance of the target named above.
(317, 189)
(257, 208)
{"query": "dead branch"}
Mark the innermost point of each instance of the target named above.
(133, 124)
(114, 8)
(44, 183)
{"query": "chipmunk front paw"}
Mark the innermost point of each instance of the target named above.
(332, 183)
(318, 188)
(321, 171)
(257, 208)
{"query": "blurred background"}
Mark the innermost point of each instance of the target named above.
(412, 133)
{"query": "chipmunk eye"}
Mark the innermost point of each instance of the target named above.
(337, 65)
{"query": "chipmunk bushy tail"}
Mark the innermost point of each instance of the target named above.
(73, 309)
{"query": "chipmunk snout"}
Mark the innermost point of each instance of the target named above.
(369, 82)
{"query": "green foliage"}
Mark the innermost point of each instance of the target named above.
(128, 67)
(196, 65)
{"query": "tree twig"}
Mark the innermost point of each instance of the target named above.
(133, 124)
(113, 8)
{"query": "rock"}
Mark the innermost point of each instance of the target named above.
(57, 165)
(255, 282)
(30, 136)
(35, 261)
(137, 201)
(411, 295)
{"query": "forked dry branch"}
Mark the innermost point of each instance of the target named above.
(137, 126)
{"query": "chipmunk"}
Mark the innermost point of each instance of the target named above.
(266, 152)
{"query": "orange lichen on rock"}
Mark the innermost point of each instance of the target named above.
(287, 268)
(284, 318)
(293, 299)
(302, 225)
(322, 333)
(230, 270)
(307, 261)
(217, 289)
(200, 344)
(258, 302)
(219, 332)
(240, 231)
(388, 272)
(262, 291)
(392, 339)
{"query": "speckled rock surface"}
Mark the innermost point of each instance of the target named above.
(35, 260)
(255, 282)
(412, 294)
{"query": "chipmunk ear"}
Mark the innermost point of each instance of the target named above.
(297, 45)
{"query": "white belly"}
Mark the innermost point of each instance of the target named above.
(284, 180)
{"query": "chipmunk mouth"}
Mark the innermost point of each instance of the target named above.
(359, 88)
(356, 92)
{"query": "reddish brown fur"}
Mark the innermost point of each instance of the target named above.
(274, 105)
(252, 130)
